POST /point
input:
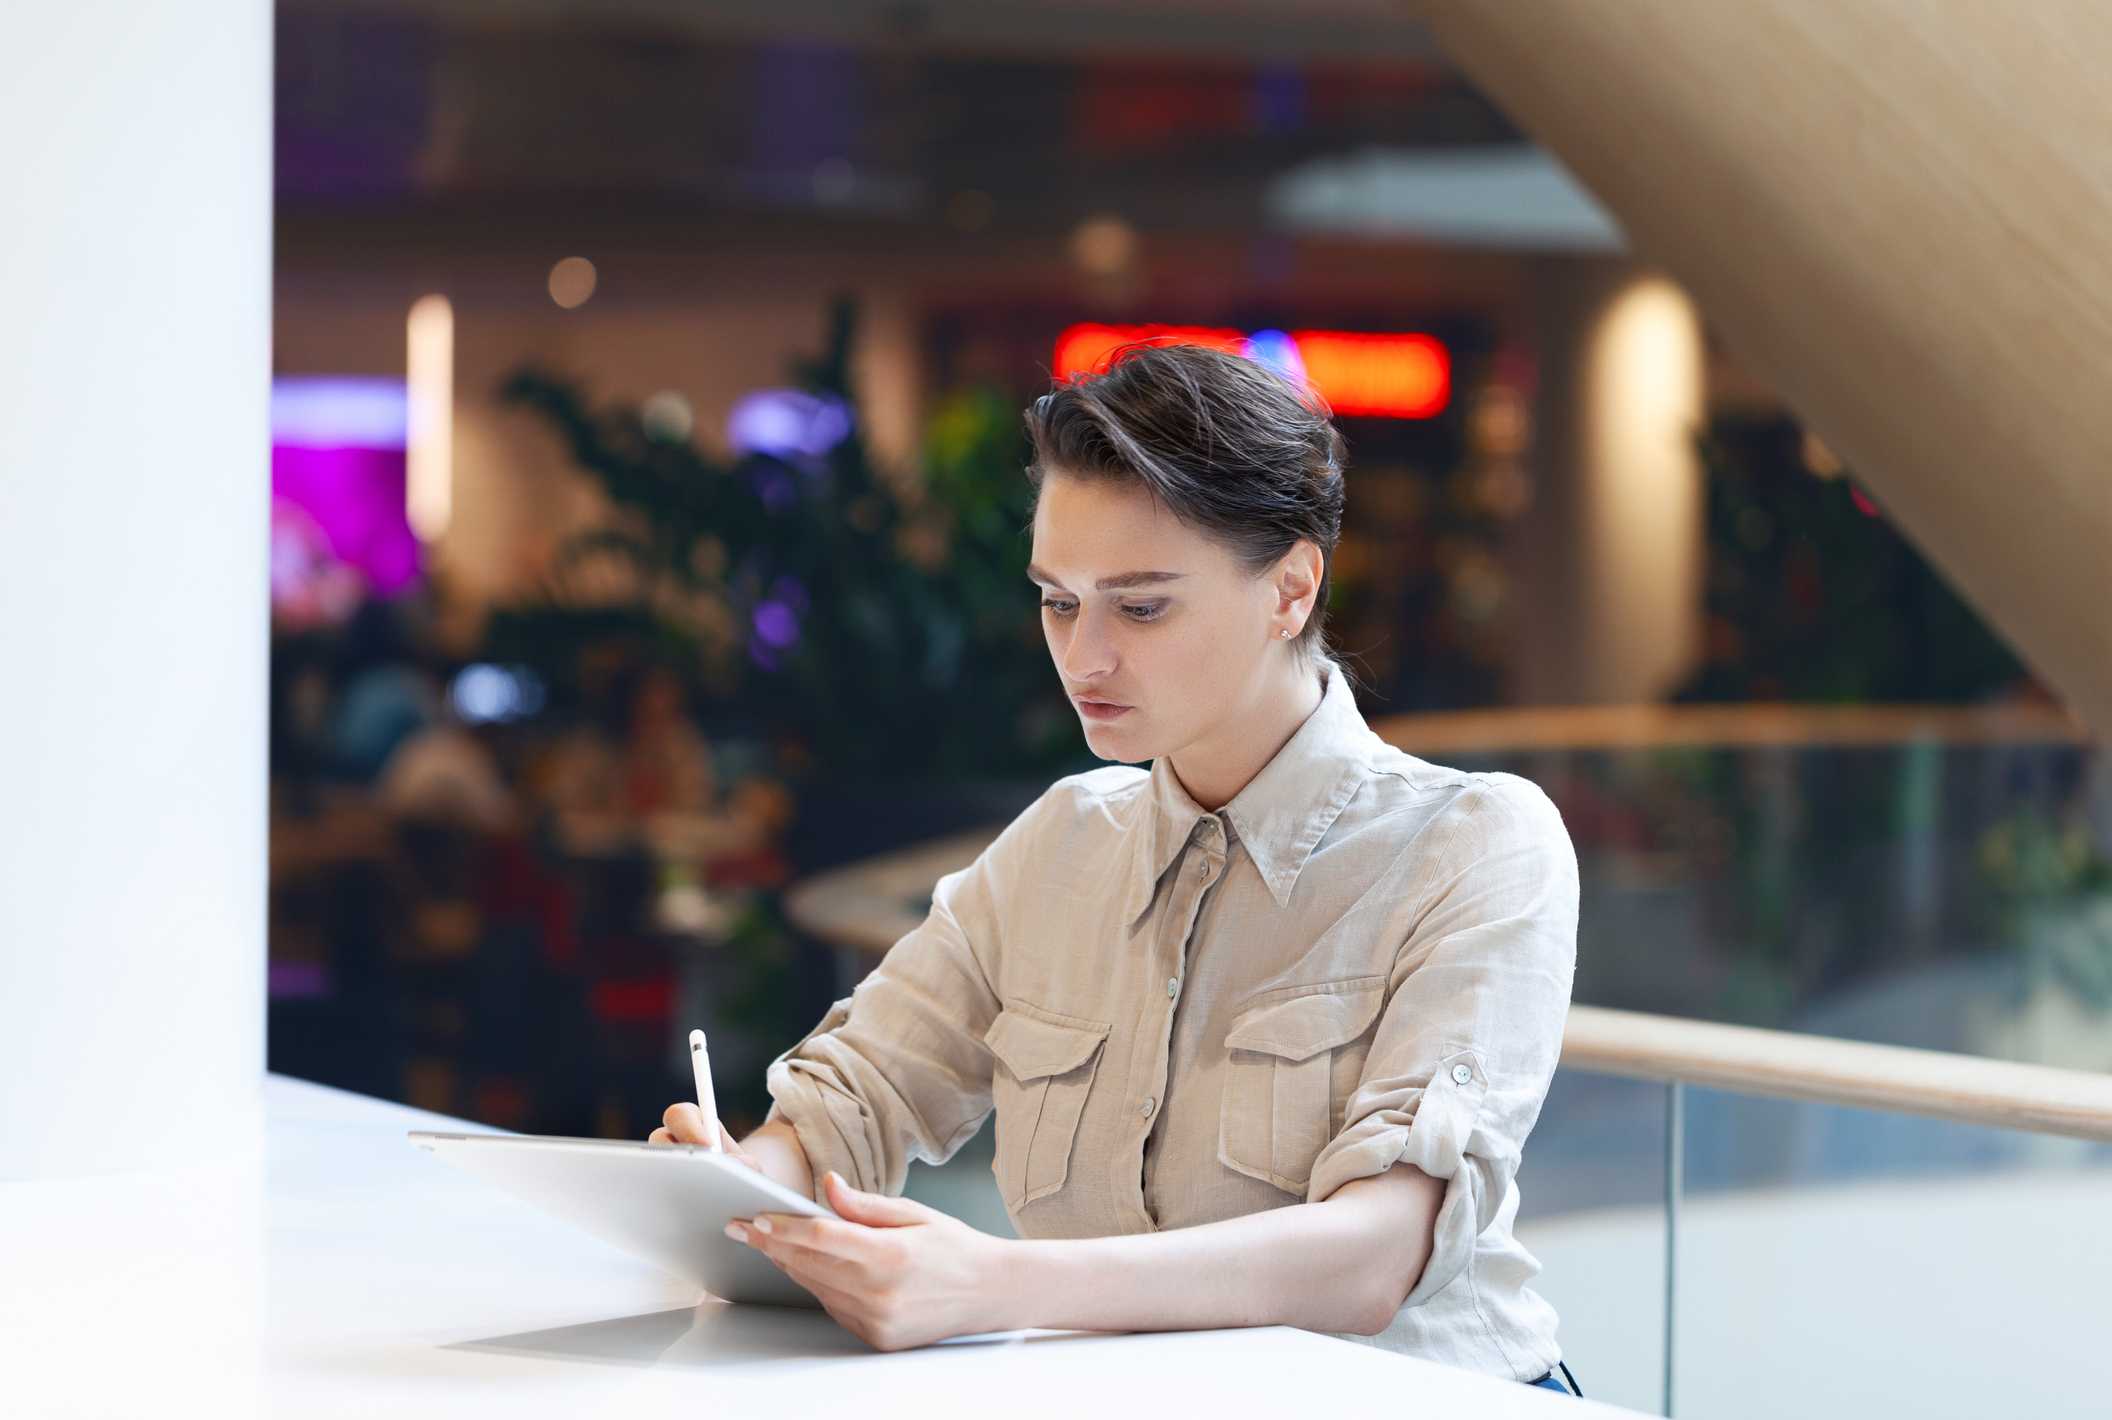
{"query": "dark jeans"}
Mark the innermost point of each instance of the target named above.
(1552, 1382)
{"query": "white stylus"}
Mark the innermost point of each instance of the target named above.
(701, 1064)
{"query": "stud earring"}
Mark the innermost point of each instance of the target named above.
(1285, 633)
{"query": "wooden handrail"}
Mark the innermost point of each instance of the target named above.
(1964, 1089)
(869, 906)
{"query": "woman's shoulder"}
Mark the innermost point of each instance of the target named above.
(1446, 803)
(1095, 802)
(1108, 782)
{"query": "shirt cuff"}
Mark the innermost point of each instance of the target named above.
(829, 1125)
(1430, 1131)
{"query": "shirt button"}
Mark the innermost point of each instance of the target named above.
(1149, 1105)
(1173, 987)
(1202, 867)
(1461, 1074)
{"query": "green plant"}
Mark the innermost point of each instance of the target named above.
(860, 628)
(1813, 595)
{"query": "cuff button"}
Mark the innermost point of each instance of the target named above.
(1461, 1074)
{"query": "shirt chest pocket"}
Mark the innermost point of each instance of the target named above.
(1279, 1100)
(1045, 1068)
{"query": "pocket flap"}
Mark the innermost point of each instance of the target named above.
(1305, 1025)
(1032, 1047)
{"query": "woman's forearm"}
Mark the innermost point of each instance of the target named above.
(1341, 1265)
(776, 1147)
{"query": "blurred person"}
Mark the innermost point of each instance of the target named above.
(666, 763)
(384, 694)
(640, 759)
(1264, 1026)
(641, 780)
(443, 772)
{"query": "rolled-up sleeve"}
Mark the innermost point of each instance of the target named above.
(1472, 1030)
(898, 1069)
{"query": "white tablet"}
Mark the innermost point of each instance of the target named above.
(666, 1203)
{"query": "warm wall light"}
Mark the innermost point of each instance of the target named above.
(1404, 375)
(572, 281)
(1104, 246)
(429, 466)
(1637, 524)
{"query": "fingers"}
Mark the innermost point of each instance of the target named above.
(810, 1258)
(826, 1235)
(687, 1125)
(837, 1293)
(664, 1135)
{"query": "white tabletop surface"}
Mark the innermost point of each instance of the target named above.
(342, 1271)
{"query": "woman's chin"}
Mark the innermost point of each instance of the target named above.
(1113, 739)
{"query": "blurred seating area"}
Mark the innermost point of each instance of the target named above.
(485, 911)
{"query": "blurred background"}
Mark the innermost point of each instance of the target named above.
(647, 541)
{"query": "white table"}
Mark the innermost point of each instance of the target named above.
(341, 1271)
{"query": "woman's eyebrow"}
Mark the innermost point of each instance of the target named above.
(1110, 584)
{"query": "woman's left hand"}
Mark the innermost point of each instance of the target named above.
(891, 1271)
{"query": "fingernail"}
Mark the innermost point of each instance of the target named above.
(738, 1233)
(762, 1225)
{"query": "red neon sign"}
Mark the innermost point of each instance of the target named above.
(1388, 376)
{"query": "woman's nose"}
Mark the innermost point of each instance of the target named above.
(1090, 652)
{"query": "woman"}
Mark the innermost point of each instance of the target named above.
(1287, 965)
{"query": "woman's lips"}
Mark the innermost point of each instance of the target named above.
(1100, 709)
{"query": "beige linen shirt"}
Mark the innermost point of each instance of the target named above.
(1180, 1016)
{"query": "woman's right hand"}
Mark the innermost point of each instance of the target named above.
(684, 1123)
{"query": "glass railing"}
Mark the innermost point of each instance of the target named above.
(1815, 1260)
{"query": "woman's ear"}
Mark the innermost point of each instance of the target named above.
(1298, 577)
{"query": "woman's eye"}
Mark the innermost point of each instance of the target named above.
(1139, 611)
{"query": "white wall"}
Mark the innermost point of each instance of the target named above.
(134, 499)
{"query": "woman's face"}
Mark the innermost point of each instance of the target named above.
(1144, 612)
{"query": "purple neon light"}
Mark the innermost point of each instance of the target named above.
(340, 411)
(787, 424)
(775, 624)
(355, 497)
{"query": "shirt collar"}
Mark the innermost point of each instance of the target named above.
(1281, 814)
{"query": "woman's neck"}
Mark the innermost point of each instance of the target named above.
(1216, 767)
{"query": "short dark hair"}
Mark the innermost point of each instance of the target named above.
(1230, 446)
